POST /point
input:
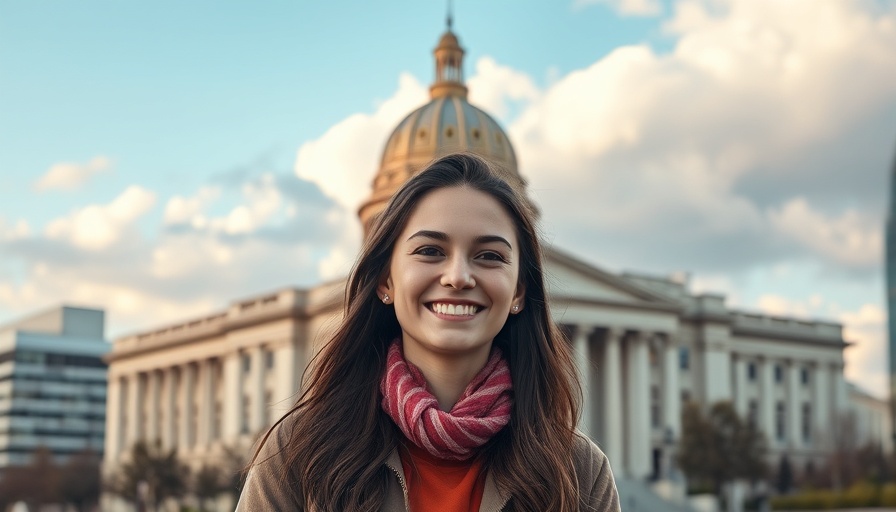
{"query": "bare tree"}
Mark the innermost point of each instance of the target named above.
(79, 480)
(151, 475)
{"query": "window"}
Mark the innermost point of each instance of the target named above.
(655, 406)
(685, 396)
(779, 373)
(753, 413)
(684, 358)
(216, 422)
(244, 417)
(268, 403)
(807, 422)
(780, 426)
(269, 359)
(247, 363)
(751, 371)
(804, 376)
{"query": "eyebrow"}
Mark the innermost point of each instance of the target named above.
(482, 239)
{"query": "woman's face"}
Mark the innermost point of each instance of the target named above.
(453, 275)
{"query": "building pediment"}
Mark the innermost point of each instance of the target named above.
(570, 279)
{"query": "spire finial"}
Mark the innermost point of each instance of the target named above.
(450, 17)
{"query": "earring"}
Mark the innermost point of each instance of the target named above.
(385, 298)
(516, 308)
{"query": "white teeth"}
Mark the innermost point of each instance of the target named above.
(455, 309)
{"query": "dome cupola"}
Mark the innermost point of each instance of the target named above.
(447, 124)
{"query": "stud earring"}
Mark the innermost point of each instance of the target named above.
(516, 308)
(385, 298)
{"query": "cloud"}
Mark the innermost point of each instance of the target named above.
(494, 87)
(70, 176)
(852, 240)
(339, 160)
(753, 124)
(866, 360)
(627, 7)
(97, 227)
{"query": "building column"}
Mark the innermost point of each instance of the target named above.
(821, 399)
(794, 404)
(114, 442)
(613, 413)
(841, 393)
(134, 405)
(287, 382)
(169, 428)
(206, 403)
(257, 398)
(233, 397)
(187, 401)
(152, 421)
(638, 428)
(671, 389)
(582, 350)
(767, 400)
(740, 385)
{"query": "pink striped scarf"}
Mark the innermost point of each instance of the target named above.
(482, 410)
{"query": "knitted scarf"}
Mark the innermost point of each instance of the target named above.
(482, 410)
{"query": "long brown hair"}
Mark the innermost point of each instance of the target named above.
(339, 436)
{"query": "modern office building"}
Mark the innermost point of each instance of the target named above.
(644, 344)
(52, 384)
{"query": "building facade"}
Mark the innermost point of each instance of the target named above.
(644, 344)
(52, 384)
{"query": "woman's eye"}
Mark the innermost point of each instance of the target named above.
(428, 251)
(492, 256)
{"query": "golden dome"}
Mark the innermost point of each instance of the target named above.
(447, 124)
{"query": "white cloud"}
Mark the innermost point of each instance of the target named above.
(493, 85)
(851, 239)
(70, 176)
(866, 360)
(97, 227)
(188, 210)
(627, 7)
(343, 161)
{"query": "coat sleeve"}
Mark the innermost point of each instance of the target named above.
(597, 487)
(267, 487)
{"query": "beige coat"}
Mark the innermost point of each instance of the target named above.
(264, 490)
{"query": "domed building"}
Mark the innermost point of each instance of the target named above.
(644, 344)
(447, 124)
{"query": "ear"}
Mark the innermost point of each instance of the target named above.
(519, 299)
(385, 289)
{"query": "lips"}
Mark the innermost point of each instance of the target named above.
(444, 308)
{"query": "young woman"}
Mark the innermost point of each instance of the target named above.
(447, 386)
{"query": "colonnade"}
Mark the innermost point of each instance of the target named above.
(199, 402)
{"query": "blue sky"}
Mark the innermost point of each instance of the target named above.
(161, 159)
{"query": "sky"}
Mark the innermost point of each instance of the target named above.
(161, 159)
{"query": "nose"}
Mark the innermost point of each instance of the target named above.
(458, 274)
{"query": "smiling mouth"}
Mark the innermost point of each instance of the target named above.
(454, 309)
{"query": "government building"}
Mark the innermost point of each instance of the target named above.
(645, 345)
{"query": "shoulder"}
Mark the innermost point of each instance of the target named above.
(266, 486)
(597, 487)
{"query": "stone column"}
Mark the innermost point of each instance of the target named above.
(671, 388)
(135, 403)
(638, 406)
(767, 400)
(582, 349)
(821, 400)
(613, 414)
(187, 401)
(169, 427)
(153, 433)
(206, 402)
(287, 381)
(114, 442)
(740, 385)
(233, 397)
(841, 391)
(257, 398)
(794, 404)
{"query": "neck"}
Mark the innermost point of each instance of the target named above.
(447, 376)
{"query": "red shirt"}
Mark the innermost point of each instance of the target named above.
(437, 485)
